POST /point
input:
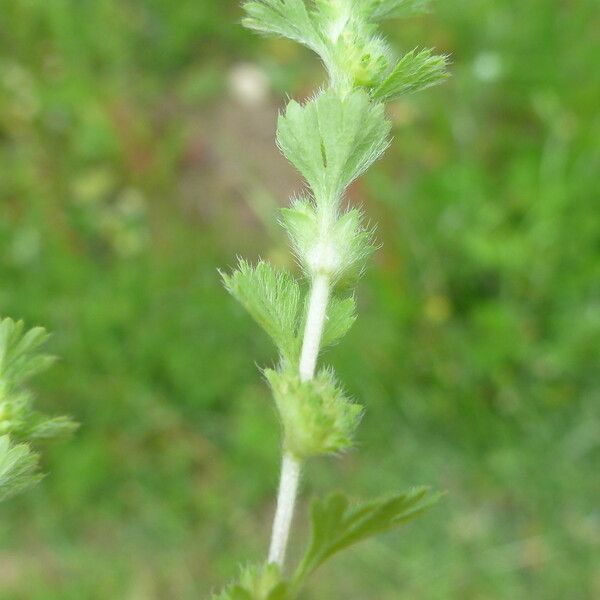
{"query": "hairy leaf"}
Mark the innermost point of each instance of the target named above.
(286, 18)
(341, 315)
(20, 358)
(302, 225)
(354, 242)
(55, 428)
(273, 299)
(333, 140)
(19, 355)
(414, 72)
(377, 10)
(18, 468)
(337, 525)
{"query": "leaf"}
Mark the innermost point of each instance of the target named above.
(354, 242)
(286, 18)
(341, 315)
(18, 468)
(21, 358)
(336, 525)
(302, 226)
(19, 352)
(274, 301)
(414, 72)
(333, 140)
(233, 593)
(378, 10)
(51, 429)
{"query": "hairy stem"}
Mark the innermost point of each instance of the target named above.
(290, 466)
(286, 500)
(315, 320)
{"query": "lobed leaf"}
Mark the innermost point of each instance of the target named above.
(302, 226)
(18, 468)
(336, 525)
(378, 10)
(19, 352)
(20, 358)
(333, 140)
(341, 315)
(274, 301)
(354, 242)
(286, 18)
(414, 72)
(51, 429)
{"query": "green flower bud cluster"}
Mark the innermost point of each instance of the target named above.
(344, 33)
(356, 56)
(316, 415)
(366, 60)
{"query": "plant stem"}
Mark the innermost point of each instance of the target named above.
(315, 320)
(290, 465)
(286, 500)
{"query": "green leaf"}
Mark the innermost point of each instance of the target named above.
(414, 72)
(51, 429)
(354, 243)
(19, 353)
(341, 315)
(336, 524)
(378, 10)
(18, 468)
(286, 18)
(302, 225)
(20, 358)
(273, 299)
(317, 417)
(333, 140)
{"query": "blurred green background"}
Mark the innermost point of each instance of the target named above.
(137, 157)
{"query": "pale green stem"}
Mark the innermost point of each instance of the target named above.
(315, 321)
(291, 466)
(286, 500)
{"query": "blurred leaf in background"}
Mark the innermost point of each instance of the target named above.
(136, 156)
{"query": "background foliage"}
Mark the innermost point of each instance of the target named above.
(137, 156)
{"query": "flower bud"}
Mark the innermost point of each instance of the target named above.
(316, 415)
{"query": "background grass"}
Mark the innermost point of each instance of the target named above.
(132, 165)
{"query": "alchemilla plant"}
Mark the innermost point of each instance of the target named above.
(332, 139)
(22, 428)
